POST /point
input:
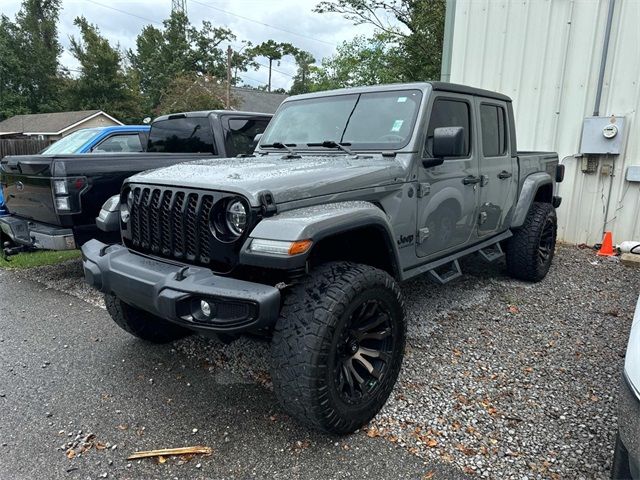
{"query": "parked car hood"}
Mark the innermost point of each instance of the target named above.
(288, 179)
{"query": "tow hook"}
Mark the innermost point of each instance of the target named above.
(8, 251)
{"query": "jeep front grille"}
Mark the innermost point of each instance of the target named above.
(174, 223)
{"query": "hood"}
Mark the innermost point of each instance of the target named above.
(288, 179)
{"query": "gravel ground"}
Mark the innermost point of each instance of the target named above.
(501, 378)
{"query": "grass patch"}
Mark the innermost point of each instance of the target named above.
(38, 259)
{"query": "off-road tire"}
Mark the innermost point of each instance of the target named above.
(620, 469)
(524, 258)
(142, 324)
(316, 315)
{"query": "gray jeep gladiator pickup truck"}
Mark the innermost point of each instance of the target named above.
(349, 193)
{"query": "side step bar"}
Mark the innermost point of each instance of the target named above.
(451, 273)
(491, 253)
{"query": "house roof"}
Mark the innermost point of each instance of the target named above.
(252, 100)
(49, 123)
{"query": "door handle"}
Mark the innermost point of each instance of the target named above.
(470, 180)
(504, 174)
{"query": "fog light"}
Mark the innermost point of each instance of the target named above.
(205, 308)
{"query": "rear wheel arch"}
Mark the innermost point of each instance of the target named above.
(544, 194)
(536, 188)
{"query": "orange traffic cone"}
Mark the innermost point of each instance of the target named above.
(606, 250)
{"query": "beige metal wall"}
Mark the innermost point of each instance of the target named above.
(545, 54)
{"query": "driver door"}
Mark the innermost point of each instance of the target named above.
(448, 193)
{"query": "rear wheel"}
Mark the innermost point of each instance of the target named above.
(530, 250)
(338, 346)
(142, 324)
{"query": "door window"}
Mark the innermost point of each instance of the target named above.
(119, 143)
(449, 113)
(179, 134)
(242, 131)
(492, 125)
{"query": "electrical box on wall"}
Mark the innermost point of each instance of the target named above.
(602, 135)
(633, 173)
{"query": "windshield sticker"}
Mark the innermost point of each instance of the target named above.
(397, 125)
(402, 99)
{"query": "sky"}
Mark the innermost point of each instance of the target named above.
(255, 20)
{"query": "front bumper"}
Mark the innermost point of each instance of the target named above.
(172, 291)
(37, 235)
(629, 425)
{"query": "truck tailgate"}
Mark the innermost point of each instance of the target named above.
(28, 186)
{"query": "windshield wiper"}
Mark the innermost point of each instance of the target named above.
(333, 144)
(282, 146)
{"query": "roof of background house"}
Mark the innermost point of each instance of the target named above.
(252, 100)
(49, 123)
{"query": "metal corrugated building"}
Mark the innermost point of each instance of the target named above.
(546, 55)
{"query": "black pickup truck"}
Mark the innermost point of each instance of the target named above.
(54, 199)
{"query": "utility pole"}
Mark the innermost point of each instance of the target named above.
(179, 6)
(229, 54)
(269, 84)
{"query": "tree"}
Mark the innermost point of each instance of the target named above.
(417, 31)
(162, 55)
(361, 61)
(241, 60)
(273, 50)
(12, 102)
(102, 83)
(33, 39)
(301, 83)
(191, 92)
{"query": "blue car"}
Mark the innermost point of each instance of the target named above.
(125, 138)
(122, 138)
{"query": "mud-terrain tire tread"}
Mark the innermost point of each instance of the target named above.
(302, 338)
(142, 324)
(522, 248)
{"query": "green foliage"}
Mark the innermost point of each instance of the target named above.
(192, 92)
(413, 39)
(179, 67)
(361, 61)
(273, 51)
(29, 52)
(102, 83)
(302, 81)
(38, 259)
(11, 71)
(163, 55)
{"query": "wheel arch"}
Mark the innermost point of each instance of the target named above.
(350, 231)
(537, 187)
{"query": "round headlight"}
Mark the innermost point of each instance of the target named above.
(236, 217)
(130, 199)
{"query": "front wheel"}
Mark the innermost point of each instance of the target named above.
(530, 250)
(338, 346)
(142, 324)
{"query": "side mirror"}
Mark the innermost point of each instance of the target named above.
(447, 142)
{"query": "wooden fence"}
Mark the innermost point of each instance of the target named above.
(21, 146)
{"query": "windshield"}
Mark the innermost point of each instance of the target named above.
(181, 135)
(369, 121)
(72, 142)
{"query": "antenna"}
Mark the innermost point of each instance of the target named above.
(179, 6)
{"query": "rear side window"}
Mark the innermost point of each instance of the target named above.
(241, 133)
(449, 113)
(181, 135)
(119, 143)
(492, 125)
